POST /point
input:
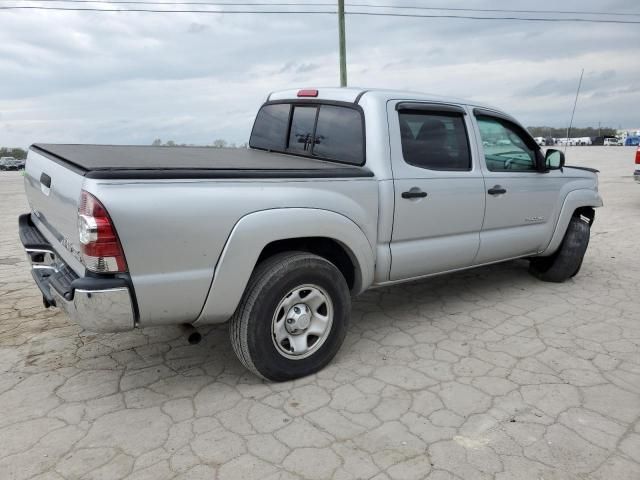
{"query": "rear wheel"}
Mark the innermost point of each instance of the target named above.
(566, 262)
(292, 318)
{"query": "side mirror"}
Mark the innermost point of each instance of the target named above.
(554, 159)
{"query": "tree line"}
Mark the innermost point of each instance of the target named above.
(18, 153)
(575, 132)
(218, 143)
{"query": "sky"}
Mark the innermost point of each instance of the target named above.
(129, 78)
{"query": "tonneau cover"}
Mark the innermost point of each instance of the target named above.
(129, 162)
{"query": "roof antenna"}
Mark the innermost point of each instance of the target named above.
(566, 143)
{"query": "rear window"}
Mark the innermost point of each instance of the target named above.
(434, 140)
(328, 132)
(339, 135)
(301, 132)
(270, 128)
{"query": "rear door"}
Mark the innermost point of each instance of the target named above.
(438, 188)
(520, 200)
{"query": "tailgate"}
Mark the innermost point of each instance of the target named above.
(53, 191)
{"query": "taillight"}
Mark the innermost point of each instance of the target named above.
(638, 157)
(99, 244)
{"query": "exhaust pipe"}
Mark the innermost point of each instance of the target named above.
(193, 335)
(47, 303)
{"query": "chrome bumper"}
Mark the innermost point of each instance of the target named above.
(636, 175)
(97, 304)
(109, 310)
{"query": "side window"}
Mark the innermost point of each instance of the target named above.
(339, 135)
(270, 128)
(434, 140)
(505, 148)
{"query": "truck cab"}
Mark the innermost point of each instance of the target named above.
(463, 184)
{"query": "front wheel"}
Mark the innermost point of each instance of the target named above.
(566, 262)
(292, 318)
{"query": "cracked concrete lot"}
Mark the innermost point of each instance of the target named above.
(485, 374)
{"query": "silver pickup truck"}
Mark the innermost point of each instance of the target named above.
(341, 190)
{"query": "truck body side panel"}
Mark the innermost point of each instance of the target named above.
(173, 232)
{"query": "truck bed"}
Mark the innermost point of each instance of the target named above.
(149, 162)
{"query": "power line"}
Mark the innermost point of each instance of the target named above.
(318, 12)
(205, 3)
(149, 10)
(513, 18)
(493, 10)
(365, 5)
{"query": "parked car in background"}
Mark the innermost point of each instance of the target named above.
(10, 163)
(341, 190)
(632, 141)
(612, 142)
(636, 173)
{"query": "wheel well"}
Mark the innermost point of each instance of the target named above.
(327, 248)
(587, 212)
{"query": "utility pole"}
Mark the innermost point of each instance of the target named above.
(343, 50)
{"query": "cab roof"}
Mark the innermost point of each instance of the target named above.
(355, 94)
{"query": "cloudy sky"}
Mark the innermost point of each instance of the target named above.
(192, 78)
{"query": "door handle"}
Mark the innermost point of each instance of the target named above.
(414, 194)
(45, 180)
(497, 190)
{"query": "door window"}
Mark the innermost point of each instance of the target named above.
(505, 147)
(434, 140)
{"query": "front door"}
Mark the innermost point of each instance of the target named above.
(438, 188)
(521, 201)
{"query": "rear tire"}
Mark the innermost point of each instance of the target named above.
(292, 318)
(566, 262)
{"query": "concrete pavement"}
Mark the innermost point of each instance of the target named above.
(485, 374)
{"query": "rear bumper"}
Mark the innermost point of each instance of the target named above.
(97, 304)
(636, 175)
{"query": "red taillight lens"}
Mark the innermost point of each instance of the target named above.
(99, 244)
(307, 93)
(638, 157)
